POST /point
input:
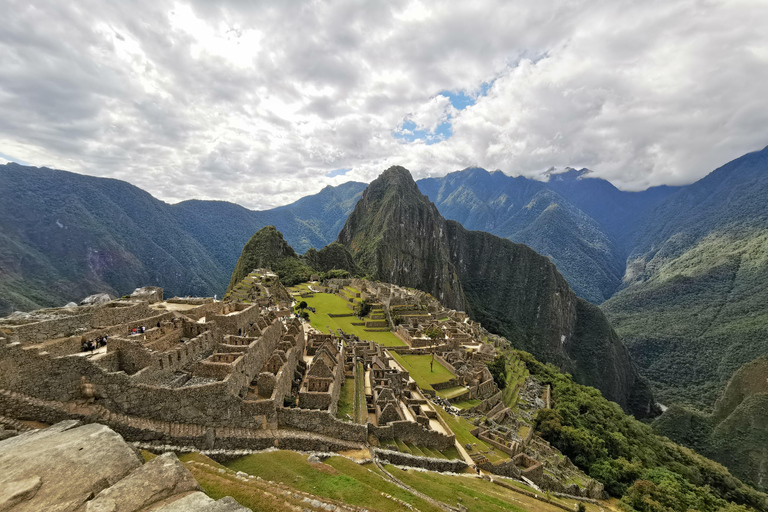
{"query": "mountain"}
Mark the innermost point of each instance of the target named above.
(396, 234)
(692, 309)
(64, 236)
(398, 237)
(268, 249)
(736, 433)
(580, 223)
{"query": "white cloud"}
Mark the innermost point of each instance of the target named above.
(257, 104)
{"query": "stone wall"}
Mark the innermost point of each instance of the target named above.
(428, 463)
(452, 383)
(36, 332)
(321, 422)
(61, 379)
(116, 313)
(412, 432)
(446, 364)
(485, 406)
(484, 390)
(239, 322)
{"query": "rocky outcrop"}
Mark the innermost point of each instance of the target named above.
(149, 294)
(61, 467)
(268, 249)
(96, 299)
(90, 468)
(397, 235)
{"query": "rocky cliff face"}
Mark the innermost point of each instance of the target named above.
(397, 235)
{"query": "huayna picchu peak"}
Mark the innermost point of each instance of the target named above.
(397, 235)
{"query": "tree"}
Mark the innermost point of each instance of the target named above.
(363, 309)
(433, 332)
(302, 305)
(498, 369)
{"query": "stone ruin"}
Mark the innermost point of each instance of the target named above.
(243, 373)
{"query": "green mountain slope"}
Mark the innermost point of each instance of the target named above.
(64, 236)
(736, 433)
(693, 309)
(268, 249)
(396, 235)
(580, 223)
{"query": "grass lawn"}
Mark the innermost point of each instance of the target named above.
(361, 409)
(337, 478)
(418, 367)
(346, 399)
(466, 404)
(474, 493)
(326, 303)
(449, 393)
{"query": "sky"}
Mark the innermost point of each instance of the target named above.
(261, 103)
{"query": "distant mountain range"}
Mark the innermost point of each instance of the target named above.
(584, 225)
(64, 236)
(684, 268)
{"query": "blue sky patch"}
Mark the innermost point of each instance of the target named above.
(337, 172)
(460, 100)
(10, 158)
(409, 133)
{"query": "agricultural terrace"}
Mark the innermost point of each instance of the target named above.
(328, 303)
(515, 377)
(418, 367)
(463, 431)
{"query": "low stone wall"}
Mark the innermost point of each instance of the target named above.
(452, 383)
(412, 432)
(446, 364)
(428, 463)
(321, 422)
(116, 313)
(38, 331)
(460, 398)
(485, 405)
(506, 468)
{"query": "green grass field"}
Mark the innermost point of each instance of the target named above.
(326, 303)
(449, 393)
(337, 478)
(346, 399)
(466, 404)
(418, 367)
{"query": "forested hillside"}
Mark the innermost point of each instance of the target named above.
(64, 236)
(581, 223)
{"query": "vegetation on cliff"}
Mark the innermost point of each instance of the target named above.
(64, 236)
(736, 433)
(648, 471)
(268, 249)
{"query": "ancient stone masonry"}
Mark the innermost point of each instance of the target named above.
(242, 374)
(322, 384)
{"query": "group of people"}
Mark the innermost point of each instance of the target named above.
(139, 330)
(91, 345)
